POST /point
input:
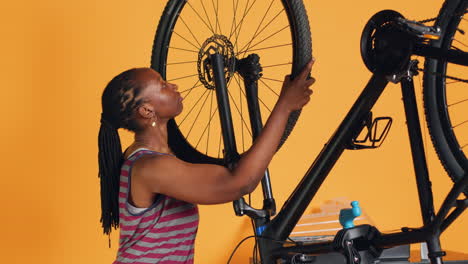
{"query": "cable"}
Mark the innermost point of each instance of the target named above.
(255, 247)
(261, 237)
(238, 245)
(279, 241)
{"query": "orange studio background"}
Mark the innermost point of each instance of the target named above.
(57, 57)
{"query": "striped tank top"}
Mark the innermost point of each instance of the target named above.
(164, 233)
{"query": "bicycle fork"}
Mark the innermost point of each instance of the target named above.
(230, 149)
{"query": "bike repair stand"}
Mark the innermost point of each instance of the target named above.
(361, 244)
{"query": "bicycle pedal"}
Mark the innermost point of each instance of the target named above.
(372, 134)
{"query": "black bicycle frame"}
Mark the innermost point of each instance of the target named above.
(453, 56)
(281, 226)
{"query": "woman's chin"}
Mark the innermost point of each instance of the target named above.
(181, 108)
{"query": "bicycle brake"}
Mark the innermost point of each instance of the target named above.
(241, 208)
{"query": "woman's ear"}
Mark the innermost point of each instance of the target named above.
(146, 111)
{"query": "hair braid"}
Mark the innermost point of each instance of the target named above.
(119, 101)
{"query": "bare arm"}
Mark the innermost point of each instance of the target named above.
(209, 184)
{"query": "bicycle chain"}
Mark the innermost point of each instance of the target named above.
(428, 20)
(435, 18)
(435, 73)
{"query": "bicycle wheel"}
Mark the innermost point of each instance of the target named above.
(446, 99)
(242, 27)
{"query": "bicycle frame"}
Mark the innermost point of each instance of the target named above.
(279, 228)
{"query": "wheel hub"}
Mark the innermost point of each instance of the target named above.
(222, 45)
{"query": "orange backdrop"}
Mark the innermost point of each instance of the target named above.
(57, 56)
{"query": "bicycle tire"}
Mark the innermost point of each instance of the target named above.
(302, 52)
(445, 140)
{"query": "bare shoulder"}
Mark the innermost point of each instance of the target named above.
(150, 164)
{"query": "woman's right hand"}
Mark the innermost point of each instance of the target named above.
(295, 93)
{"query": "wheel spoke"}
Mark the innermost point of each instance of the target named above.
(257, 97)
(200, 17)
(270, 79)
(261, 101)
(246, 11)
(182, 37)
(269, 87)
(242, 22)
(234, 21)
(207, 127)
(464, 122)
(183, 77)
(458, 41)
(246, 47)
(192, 108)
(190, 89)
(216, 9)
(456, 79)
(258, 27)
(182, 62)
(269, 36)
(194, 51)
(209, 124)
(191, 33)
(242, 124)
(457, 103)
(207, 17)
(238, 111)
(276, 65)
(196, 118)
(270, 47)
(219, 146)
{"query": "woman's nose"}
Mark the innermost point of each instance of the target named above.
(174, 86)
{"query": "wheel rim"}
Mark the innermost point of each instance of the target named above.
(453, 97)
(241, 34)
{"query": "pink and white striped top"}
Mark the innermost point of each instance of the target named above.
(164, 233)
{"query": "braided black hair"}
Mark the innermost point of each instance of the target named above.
(119, 100)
